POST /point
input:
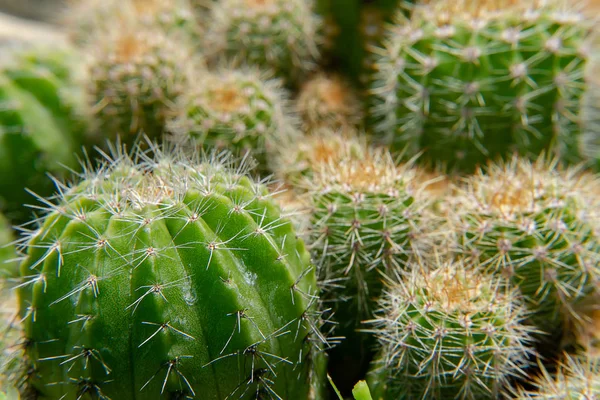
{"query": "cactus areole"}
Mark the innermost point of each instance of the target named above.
(168, 276)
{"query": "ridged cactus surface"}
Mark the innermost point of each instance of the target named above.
(447, 333)
(465, 82)
(41, 124)
(168, 276)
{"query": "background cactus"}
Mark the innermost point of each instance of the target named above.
(41, 123)
(242, 110)
(466, 82)
(447, 333)
(169, 276)
(535, 226)
(280, 35)
(135, 78)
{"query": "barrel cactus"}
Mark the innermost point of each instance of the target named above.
(447, 333)
(169, 276)
(535, 226)
(242, 110)
(280, 35)
(41, 123)
(468, 81)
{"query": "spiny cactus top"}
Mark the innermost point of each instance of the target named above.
(242, 110)
(447, 333)
(41, 124)
(166, 276)
(577, 378)
(536, 225)
(272, 34)
(467, 84)
(135, 78)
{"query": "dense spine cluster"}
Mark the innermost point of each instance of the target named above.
(280, 35)
(169, 276)
(465, 83)
(447, 333)
(535, 226)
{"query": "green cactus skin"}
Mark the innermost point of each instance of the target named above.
(576, 378)
(169, 277)
(8, 256)
(242, 110)
(535, 225)
(465, 87)
(280, 35)
(447, 333)
(41, 124)
(135, 78)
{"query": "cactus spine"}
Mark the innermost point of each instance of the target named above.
(466, 82)
(168, 276)
(447, 333)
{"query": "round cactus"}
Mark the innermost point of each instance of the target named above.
(41, 124)
(534, 225)
(280, 35)
(328, 102)
(136, 76)
(465, 82)
(447, 333)
(169, 276)
(576, 378)
(241, 110)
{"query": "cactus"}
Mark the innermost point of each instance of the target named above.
(242, 110)
(41, 124)
(280, 35)
(447, 333)
(576, 378)
(167, 275)
(535, 226)
(136, 76)
(468, 81)
(8, 256)
(328, 102)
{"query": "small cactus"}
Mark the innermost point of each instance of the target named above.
(135, 79)
(242, 110)
(447, 333)
(41, 124)
(280, 35)
(469, 81)
(534, 225)
(169, 276)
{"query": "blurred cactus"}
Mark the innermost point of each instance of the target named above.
(8, 255)
(469, 81)
(447, 333)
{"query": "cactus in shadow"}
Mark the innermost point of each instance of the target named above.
(41, 123)
(534, 225)
(280, 35)
(165, 275)
(447, 333)
(468, 81)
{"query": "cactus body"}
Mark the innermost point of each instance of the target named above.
(280, 35)
(135, 79)
(446, 333)
(167, 278)
(8, 263)
(41, 127)
(468, 85)
(535, 226)
(240, 110)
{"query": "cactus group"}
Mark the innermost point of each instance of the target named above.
(169, 275)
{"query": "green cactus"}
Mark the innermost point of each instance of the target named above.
(469, 81)
(135, 79)
(280, 35)
(576, 378)
(535, 226)
(242, 110)
(169, 276)
(8, 255)
(447, 333)
(41, 123)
